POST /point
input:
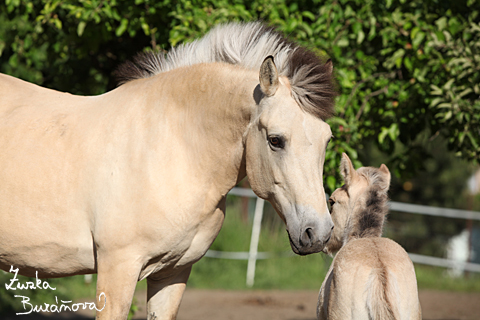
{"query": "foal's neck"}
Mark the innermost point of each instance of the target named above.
(367, 221)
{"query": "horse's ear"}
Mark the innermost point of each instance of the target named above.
(347, 170)
(385, 182)
(329, 66)
(268, 77)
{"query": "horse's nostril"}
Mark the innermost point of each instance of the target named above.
(307, 237)
(309, 232)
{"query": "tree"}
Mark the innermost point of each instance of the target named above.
(403, 67)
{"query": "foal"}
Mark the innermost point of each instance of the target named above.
(370, 277)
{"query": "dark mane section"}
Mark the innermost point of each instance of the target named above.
(247, 45)
(132, 70)
(318, 85)
(372, 218)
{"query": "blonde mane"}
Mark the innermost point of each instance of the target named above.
(247, 45)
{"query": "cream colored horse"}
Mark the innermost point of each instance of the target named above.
(370, 277)
(132, 184)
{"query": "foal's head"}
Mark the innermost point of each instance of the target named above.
(359, 207)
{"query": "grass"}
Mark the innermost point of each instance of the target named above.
(282, 272)
(65, 289)
(292, 272)
(436, 278)
(287, 272)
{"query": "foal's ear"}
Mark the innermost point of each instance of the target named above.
(329, 66)
(347, 170)
(268, 77)
(385, 182)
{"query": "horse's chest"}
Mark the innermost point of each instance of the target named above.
(186, 245)
(204, 237)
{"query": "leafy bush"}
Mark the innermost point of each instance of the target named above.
(403, 67)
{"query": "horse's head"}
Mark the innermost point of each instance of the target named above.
(285, 152)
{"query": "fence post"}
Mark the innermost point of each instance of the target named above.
(252, 254)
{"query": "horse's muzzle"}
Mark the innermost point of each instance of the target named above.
(311, 239)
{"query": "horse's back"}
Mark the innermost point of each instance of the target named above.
(16, 92)
(41, 215)
(373, 278)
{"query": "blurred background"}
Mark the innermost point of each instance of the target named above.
(408, 75)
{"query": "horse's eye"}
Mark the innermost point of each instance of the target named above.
(276, 142)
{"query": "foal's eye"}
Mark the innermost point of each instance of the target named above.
(276, 142)
(331, 202)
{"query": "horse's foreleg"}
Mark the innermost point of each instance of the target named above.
(116, 283)
(164, 296)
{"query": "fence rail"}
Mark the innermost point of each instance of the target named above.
(253, 255)
(447, 263)
(434, 211)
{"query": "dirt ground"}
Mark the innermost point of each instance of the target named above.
(280, 305)
(301, 305)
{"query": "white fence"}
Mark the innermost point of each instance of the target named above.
(253, 255)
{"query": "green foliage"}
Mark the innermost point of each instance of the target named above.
(388, 59)
(74, 45)
(403, 67)
(133, 309)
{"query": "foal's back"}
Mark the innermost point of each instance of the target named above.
(370, 278)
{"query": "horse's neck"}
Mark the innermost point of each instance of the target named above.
(209, 106)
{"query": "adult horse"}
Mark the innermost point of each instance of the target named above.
(131, 184)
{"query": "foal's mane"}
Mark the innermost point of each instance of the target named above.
(247, 45)
(370, 219)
